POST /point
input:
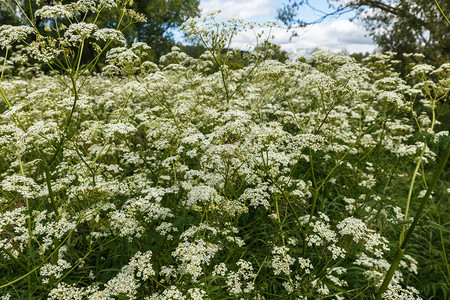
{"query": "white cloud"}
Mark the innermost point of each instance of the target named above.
(240, 8)
(335, 36)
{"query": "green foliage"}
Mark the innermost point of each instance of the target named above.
(162, 17)
(399, 26)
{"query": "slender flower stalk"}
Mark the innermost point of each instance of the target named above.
(419, 214)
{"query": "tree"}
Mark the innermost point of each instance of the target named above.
(162, 17)
(402, 26)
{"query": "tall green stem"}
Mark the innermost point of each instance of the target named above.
(442, 12)
(417, 217)
(411, 187)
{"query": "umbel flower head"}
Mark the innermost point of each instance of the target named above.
(10, 34)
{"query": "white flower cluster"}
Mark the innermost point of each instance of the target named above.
(396, 292)
(357, 229)
(376, 269)
(79, 31)
(240, 281)
(338, 271)
(202, 195)
(421, 69)
(395, 98)
(53, 270)
(323, 233)
(164, 228)
(108, 34)
(10, 34)
(48, 230)
(123, 283)
(305, 265)
(193, 255)
(257, 196)
(44, 49)
(13, 222)
(64, 291)
(141, 262)
(54, 11)
(281, 261)
(122, 60)
(171, 293)
(23, 185)
(12, 141)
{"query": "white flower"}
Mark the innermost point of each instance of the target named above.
(421, 69)
(79, 31)
(305, 264)
(44, 49)
(202, 194)
(257, 196)
(281, 261)
(440, 136)
(356, 228)
(395, 98)
(336, 251)
(123, 283)
(396, 292)
(114, 129)
(22, 185)
(219, 269)
(193, 256)
(323, 233)
(240, 282)
(56, 270)
(172, 293)
(141, 261)
(107, 34)
(54, 11)
(197, 294)
(10, 34)
(64, 291)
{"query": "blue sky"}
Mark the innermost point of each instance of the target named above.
(333, 34)
(260, 10)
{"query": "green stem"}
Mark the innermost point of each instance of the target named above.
(417, 217)
(443, 251)
(4, 64)
(66, 129)
(42, 263)
(442, 12)
(411, 187)
(316, 190)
